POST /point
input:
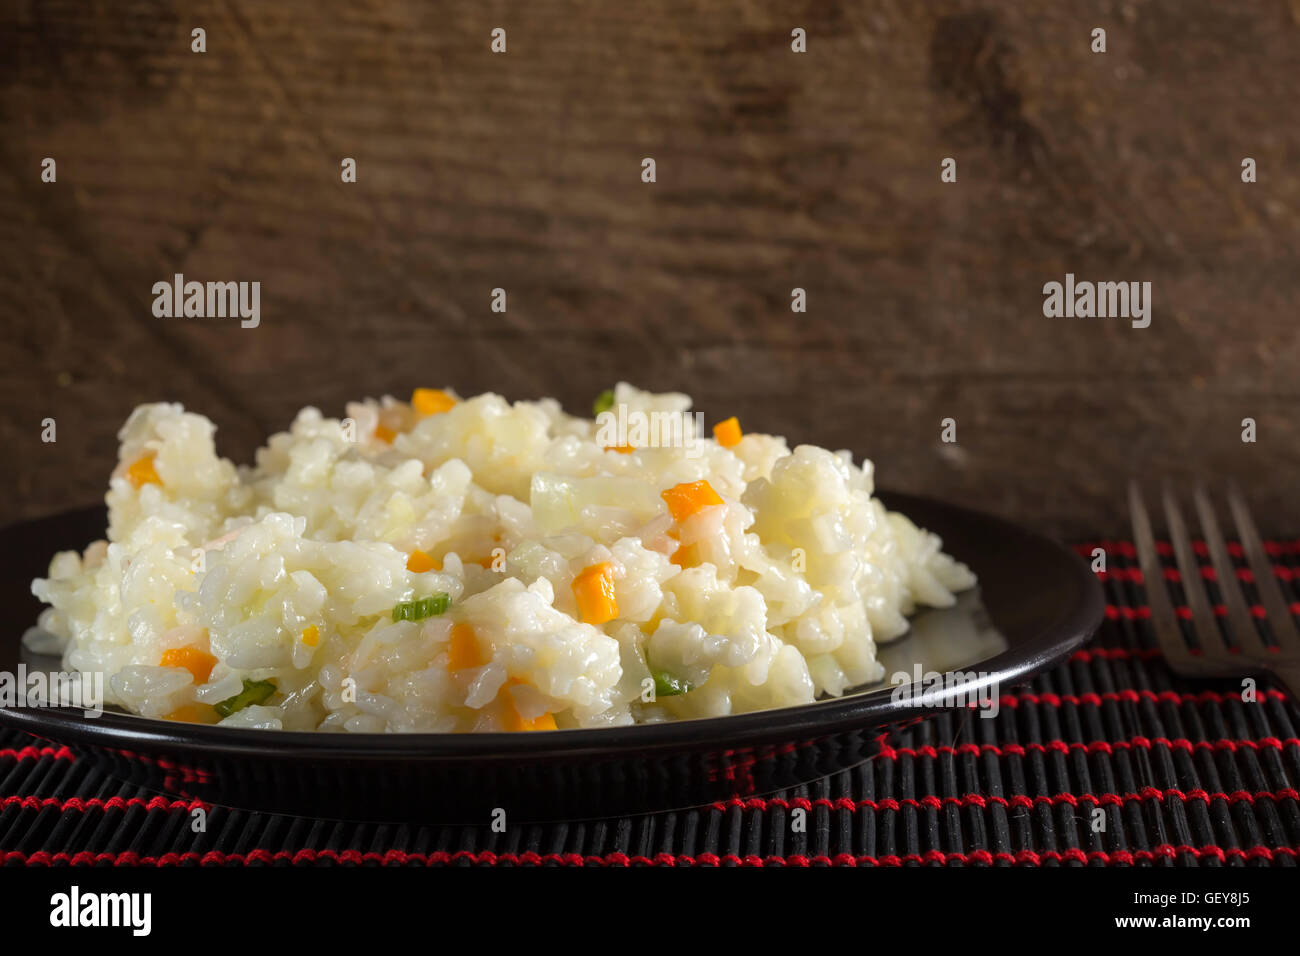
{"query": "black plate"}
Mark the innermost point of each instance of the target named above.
(1036, 604)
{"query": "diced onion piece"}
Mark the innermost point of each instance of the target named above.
(197, 662)
(419, 562)
(689, 497)
(431, 401)
(463, 650)
(728, 433)
(558, 501)
(593, 589)
(141, 472)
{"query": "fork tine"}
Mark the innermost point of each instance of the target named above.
(1239, 617)
(1163, 622)
(1203, 620)
(1279, 614)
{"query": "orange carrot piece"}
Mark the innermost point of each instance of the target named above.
(517, 722)
(728, 433)
(542, 722)
(311, 635)
(385, 434)
(689, 497)
(141, 472)
(431, 401)
(593, 589)
(419, 562)
(197, 662)
(463, 650)
(194, 714)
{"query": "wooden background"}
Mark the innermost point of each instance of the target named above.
(775, 170)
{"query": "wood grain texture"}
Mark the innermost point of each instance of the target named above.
(775, 170)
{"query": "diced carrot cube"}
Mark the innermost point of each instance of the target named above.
(728, 433)
(311, 635)
(194, 714)
(517, 722)
(385, 434)
(621, 449)
(542, 722)
(593, 589)
(684, 556)
(197, 662)
(419, 562)
(689, 497)
(141, 472)
(431, 401)
(463, 650)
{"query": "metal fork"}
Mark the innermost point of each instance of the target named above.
(1250, 655)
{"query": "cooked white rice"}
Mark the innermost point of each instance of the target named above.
(289, 572)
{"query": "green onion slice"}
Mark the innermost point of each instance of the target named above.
(254, 692)
(431, 606)
(666, 685)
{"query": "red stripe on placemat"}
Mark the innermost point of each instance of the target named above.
(1132, 697)
(1142, 612)
(399, 857)
(82, 804)
(1134, 575)
(1097, 746)
(35, 753)
(1019, 800)
(1115, 654)
(887, 752)
(1128, 549)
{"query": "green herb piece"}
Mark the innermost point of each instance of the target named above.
(604, 402)
(431, 606)
(666, 685)
(254, 692)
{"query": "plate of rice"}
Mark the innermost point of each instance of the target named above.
(486, 601)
